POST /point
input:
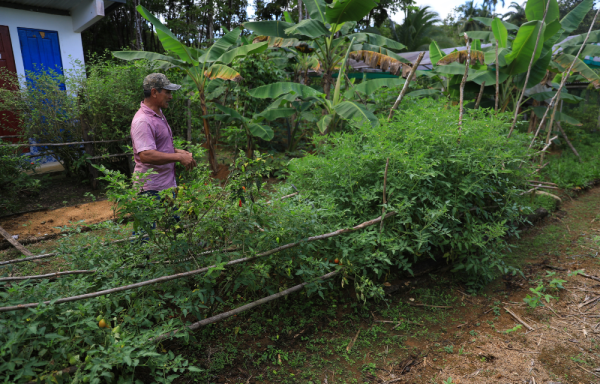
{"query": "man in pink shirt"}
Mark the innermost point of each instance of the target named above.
(152, 137)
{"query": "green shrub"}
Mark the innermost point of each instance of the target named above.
(567, 171)
(14, 179)
(454, 201)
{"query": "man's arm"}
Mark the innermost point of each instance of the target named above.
(155, 157)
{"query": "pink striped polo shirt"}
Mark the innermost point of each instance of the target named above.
(149, 131)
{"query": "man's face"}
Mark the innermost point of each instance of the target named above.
(162, 98)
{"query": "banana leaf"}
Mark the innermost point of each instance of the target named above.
(487, 21)
(481, 35)
(574, 18)
(564, 61)
(352, 110)
(277, 89)
(376, 40)
(263, 131)
(370, 86)
(424, 93)
(215, 51)
(242, 51)
(310, 28)
(564, 95)
(591, 50)
(270, 28)
(150, 56)
(523, 45)
(560, 116)
(477, 57)
(435, 53)
(534, 10)
(218, 71)
(500, 33)
(348, 10)
(166, 37)
(316, 9)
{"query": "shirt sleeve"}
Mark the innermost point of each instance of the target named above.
(142, 137)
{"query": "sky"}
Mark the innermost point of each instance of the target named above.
(444, 7)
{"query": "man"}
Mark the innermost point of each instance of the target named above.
(152, 138)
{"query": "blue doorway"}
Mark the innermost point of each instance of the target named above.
(40, 50)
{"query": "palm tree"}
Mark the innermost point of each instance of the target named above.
(493, 3)
(416, 30)
(467, 12)
(517, 16)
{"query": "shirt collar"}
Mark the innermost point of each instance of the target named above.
(147, 110)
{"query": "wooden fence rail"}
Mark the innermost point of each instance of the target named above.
(65, 144)
(197, 271)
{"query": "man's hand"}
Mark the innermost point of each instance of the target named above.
(186, 159)
(159, 158)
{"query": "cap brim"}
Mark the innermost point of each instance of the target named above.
(172, 87)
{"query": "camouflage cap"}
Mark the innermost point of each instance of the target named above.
(159, 81)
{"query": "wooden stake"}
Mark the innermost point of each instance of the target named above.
(567, 140)
(537, 40)
(351, 344)
(497, 81)
(241, 309)
(519, 319)
(14, 242)
(387, 163)
(405, 88)
(189, 120)
(462, 86)
(479, 95)
(563, 81)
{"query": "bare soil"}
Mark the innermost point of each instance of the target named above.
(41, 223)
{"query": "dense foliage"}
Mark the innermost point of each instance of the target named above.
(454, 201)
(15, 177)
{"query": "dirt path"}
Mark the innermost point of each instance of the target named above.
(563, 344)
(42, 223)
(430, 330)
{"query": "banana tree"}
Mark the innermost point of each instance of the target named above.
(253, 127)
(508, 60)
(201, 66)
(326, 22)
(336, 109)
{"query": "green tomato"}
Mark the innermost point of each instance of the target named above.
(61, 332)
(86, 379)
(99, 318)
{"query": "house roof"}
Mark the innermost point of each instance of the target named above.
(55, 7)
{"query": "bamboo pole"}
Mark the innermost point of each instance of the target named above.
(462, 86)
(537, 40)
(45, 255)
(405, 88)
(47, 275)
(553, 103)
(479, 95)
(387, 163)
(15, 243)
(568, 141)
(197, 271)
(497, 81)
(241, 309)
(65, 144)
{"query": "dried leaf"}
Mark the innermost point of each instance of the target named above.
(461, 57)
(383, 62)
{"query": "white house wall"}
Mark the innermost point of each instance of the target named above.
(70, 42)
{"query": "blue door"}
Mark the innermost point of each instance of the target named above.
(40, 50)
